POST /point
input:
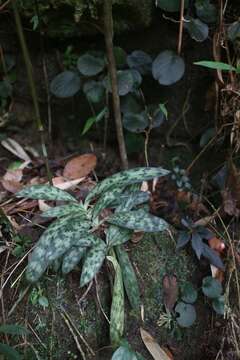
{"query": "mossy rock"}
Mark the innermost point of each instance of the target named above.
(70, 18)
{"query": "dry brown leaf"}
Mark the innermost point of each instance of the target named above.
(15, 148)
(43, 206)
(11, 186)
(153, 347)
(80, 166)
(61, 183)
(13, 175)
(170, 291)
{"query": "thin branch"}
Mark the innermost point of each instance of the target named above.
(180, 34)
(108, 33)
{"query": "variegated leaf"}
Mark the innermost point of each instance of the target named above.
(129, 278)
(116, 235)
(63, 210)
(130, 200)
(93, 261)
(45, 192)
(117, 307)
(125, 178)
(106, 200)
(72, 258)
(60, 236)
(138, 220)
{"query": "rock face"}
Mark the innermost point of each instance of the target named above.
(68, 18)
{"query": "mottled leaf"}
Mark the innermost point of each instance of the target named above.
(125, 178)
(63, 210)
(106, 200)
(72, 258)
(116, 235)
(117, 307)
(132, 199)
(138, 220)
(45, 192)
(129, 278)
(93, 262)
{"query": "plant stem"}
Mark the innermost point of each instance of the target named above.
(108, 34)
(181, 27)
(32, 86)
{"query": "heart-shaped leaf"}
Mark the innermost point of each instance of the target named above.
(131, 104)
(188, 293)
(135, 122)
(168, 68)
(196, 29)
(187, 314)
(65, 84)
(206, 11)
(90, 65)
(94, 91)
(170, 5)
(125, 82)
(211, 287)
(157, 116)
(140, 61)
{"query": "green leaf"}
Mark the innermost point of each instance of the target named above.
(120, 56)
(125, 81)
(217, 65)
(45, 192)
(125, 178)
(132, 199)
(219, 305)
(170, 5)
(129, 278)
(59, 237)
(164, 110)
(188, 293)
(72, 258)
(168, 68)
(135, 122)
(156, 116)
(233, 31)
(124, 353)
(106, 200)
(65, 84)
(13, 329)
(93, 262)
(43, 301)
(183, 238)
(89, 65)
(138, 220)
(94, 91)
(92, 120)
(140, 61)
(116, 235)
(187, 314)
(206, 11)
(130, 103)
(63, 210)
(196, 29)
(9, 352)
(211, 287)
(117, 307)
(137, 78)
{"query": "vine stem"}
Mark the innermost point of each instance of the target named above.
(32, 87)
(180, 34)
(108, 34)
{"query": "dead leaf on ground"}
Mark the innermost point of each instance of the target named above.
(11, 186)
(43, 206)
(80, 166)
(13, 175)
(170, 291)
(153, 347)
(61, 183)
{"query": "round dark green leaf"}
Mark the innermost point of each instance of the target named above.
(187, 314)
(211, 287)
(135, 122)
(170, 5)
(206, 11)
(168, 68)
(125, 81)
(189, 294)
(157, 116)
(196, 29)
(136, 77)
(233, 31)
(124, 353)
(94, 91)
(90, 65)
(65, 84)
(130, 103)
(120, 56)
(140, 61)
(218, 305)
